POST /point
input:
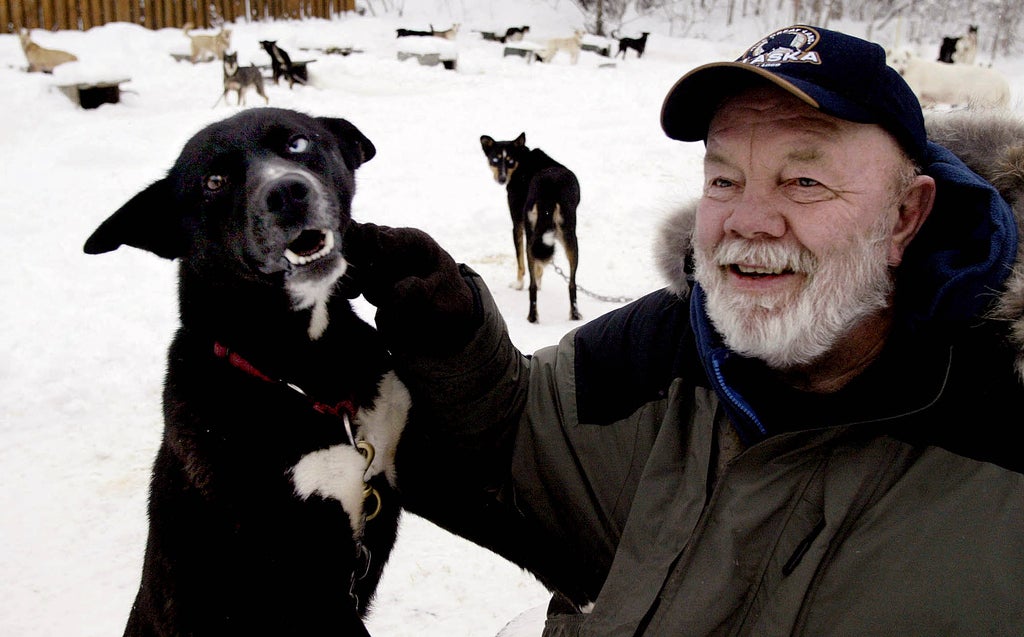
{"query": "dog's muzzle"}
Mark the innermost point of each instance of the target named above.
(295, 223)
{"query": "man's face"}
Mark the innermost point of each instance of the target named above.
(795, 230)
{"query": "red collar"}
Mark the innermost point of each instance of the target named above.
(344, 409)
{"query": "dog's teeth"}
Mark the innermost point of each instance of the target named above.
(327, 244)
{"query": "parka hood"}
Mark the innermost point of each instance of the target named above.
(967, 262)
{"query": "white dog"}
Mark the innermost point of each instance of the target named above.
(569, 45)
(937, 83)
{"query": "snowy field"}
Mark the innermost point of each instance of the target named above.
(84, 338)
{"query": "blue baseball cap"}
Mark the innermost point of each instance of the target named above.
(838, 74)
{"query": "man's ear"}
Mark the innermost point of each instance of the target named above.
(149, 221)
(356, 148)
(914, 209)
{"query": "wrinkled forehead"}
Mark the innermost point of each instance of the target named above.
(768, 117)
(766, 106)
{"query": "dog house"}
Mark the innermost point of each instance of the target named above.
(93, 94)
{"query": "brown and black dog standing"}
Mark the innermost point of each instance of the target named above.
(542, 199)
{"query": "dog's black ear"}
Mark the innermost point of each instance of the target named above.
(356, 148)
(486, 141)
(521, 140)
(148, 222)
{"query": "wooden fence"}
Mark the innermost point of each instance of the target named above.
(157, 14)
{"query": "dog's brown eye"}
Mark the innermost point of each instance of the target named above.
(215, 182)
(298, 144)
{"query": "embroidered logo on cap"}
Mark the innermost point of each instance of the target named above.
(793, 44)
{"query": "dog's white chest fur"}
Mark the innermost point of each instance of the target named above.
(340, 472)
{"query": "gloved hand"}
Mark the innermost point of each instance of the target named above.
(424, 305)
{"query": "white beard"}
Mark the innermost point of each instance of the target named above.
(792, 329)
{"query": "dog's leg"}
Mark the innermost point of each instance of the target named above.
(518, 238)
(532, 266)
(572, 254)
(532, 263)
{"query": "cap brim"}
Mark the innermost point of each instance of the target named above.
(693, 99)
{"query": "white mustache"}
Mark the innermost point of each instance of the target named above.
(764, 256)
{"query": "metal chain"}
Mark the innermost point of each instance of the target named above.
(599, 297)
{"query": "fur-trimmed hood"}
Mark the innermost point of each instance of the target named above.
(969, 218)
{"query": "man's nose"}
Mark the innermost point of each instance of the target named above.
(755, 214)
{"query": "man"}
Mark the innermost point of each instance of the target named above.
(810, 432)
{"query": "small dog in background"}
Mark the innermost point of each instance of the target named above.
(208, 47)
(571, 46)
(405, 33)
(447, 34)
(962, 49)
(637, 44)
(542, 199)
(514, 34)
(281, 63)
(42, 60)
(240, 78)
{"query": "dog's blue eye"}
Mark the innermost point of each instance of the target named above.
(215, 182)
(298, 144)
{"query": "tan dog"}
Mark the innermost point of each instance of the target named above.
(447, 34)
(40, 59)
(208, 47)
(569, 45)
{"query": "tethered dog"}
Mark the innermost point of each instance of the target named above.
(542, 199)
(637, 44)
(281, 63)
(240, 79)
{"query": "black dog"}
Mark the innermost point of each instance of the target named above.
(514, 34)
(269, 512)
(952, 50)
(405, 33)
(281, 63)
(637, 44)
(542, 199)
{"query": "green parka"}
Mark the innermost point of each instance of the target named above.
(635, 466)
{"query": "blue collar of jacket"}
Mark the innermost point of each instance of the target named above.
(717, 360)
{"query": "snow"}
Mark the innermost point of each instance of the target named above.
(85, 337)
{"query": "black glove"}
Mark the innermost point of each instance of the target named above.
(424, 304)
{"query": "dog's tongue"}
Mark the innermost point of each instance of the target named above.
(308, 243)
(309, 246)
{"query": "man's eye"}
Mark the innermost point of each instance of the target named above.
(807, 182)
(720, 182)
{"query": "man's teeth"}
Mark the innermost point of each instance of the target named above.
(326, 245)
(753, 269)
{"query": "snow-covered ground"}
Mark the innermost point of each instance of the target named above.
(84, 338)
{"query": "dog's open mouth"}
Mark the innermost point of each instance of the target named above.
(311, 245)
